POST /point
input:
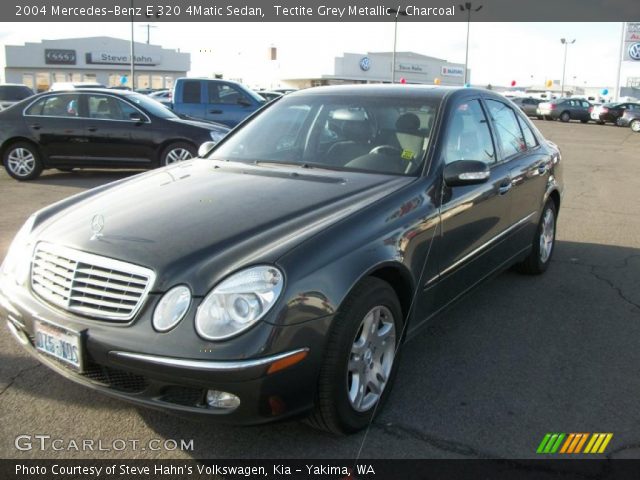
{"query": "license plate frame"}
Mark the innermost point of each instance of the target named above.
(58, 343)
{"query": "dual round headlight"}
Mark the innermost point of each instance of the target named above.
(231, 307)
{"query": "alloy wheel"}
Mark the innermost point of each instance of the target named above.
(547, 235)
(635, 125)
(371, 358)
(177, 155)
(21, 161)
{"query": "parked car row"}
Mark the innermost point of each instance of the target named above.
(624, 114)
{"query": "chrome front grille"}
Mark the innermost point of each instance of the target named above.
(89, 284)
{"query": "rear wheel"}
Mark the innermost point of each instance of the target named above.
(177, 152)
(361, 359)
(542, 248)
(635, 126)
(22, 161)
(565, 117)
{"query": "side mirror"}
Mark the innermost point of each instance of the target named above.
(205, 148)
(136, 117)
(466, 172)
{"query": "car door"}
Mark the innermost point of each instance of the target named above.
(227, 104)
(472, 217)
(116, 132)
(55, 123)
(584, 109)
(529, 167)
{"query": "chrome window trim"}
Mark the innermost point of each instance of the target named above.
(207, 365)
(25, 114)
(100, 261)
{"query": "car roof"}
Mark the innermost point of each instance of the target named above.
(432, 91)
(110, 91)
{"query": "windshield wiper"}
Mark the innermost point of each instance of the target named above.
(309, 165)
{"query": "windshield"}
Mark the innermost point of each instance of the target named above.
(361, 133)
(151, 106)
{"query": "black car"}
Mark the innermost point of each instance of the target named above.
(91, 128)
(12, 93)
(630, 118)
(279, 276)
(566, 109)
(528, 105)
(611, 112)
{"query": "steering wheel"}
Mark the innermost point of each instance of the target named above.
(386, 149)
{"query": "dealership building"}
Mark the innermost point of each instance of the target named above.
(104, 60)
(376, 67)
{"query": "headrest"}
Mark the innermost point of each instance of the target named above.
(408, 123)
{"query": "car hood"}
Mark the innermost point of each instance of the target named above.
(201, 123)
(197, 221)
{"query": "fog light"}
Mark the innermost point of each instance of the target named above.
(226, 400)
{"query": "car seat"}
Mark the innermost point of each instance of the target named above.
(357, 135)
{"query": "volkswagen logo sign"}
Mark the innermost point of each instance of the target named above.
(634, 51)
(97, 225)
(365, 64)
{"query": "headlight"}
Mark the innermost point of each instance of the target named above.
(238, 302)
(216, 136)
(171, 308)
(18, 258)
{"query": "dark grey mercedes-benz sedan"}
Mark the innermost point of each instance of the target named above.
(280, 275)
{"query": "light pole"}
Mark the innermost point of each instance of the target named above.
(467, 7)
(148, 26)
(133, 58)
(566, 44)
(395, 39)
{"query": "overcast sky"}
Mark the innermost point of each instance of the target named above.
(499, 52)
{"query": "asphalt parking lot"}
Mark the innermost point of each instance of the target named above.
(517, 358)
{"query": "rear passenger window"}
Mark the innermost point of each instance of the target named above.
(65, 105)
(191, 91)
(509, 133)
(529, 137)
(468, 135)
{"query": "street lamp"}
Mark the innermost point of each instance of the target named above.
(467, 7)
(395, 39)
(566, 44)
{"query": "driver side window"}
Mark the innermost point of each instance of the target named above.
(468, 135)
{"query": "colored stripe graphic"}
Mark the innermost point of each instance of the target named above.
(573, 443)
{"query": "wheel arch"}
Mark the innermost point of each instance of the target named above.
(13, 140)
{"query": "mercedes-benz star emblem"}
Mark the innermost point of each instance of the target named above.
(97, 225)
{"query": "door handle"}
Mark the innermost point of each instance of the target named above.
(36, 126)
(505, 187)
(92, 129)
(215, 111)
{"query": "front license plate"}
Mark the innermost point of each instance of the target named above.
(60, 343)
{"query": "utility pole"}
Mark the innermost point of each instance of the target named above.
(617, 93)
(148, 26)
(566, 44)
(467, 7)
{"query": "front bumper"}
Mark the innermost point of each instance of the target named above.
(178, 384)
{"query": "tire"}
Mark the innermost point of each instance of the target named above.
(22, 161)
(177, 152)
(340, 407)
(540, 117)
(635, 126)
(543, 243)
(584, 121)
(565, 117)
(600, 122)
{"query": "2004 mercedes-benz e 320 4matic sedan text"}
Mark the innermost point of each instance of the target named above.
(278, 276)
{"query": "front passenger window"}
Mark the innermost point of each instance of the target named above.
(468, 135)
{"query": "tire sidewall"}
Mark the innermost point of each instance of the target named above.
(37, 169)
(172, 146)
(565, 117)
(383, 295)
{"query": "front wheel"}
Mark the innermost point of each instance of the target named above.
(361, 359)
(635, 126)
(538, 260)
(22, 161)
(565, 117)
(177, 152)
